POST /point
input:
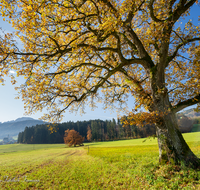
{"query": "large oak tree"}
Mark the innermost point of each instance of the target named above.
(80, 51)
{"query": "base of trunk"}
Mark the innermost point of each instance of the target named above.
(174, 150)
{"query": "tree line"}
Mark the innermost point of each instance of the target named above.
(100, 131)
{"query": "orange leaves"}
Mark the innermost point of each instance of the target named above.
(73, 137)
(142, 119)
(89, 134)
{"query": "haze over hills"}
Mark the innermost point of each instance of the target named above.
(12, 128)
(19, 119)
(191, 113)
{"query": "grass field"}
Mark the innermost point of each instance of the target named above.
(27, 147)
(127, 164)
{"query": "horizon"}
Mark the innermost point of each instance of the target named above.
(31, 118)
(188, 108)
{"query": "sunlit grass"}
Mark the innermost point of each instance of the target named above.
(189, 137)
(128, 164)
(141, 162)
(26, 147)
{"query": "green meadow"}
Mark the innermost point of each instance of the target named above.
(124, 164)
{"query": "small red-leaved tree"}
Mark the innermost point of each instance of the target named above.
(73, 137)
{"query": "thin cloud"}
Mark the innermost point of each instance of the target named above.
(12, 72)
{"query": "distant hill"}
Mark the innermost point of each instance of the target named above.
(24, 119)
(191, 113)
(12, 128)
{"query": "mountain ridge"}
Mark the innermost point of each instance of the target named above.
(19, 119)
(13, 127)
(191, 113)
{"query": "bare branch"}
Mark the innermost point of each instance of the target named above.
(138, 84)
(178, 36)
(185, 42)
(131, 13)
(78, 66)
(141, 50)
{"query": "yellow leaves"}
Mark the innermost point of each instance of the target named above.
(142, 119)
(83, 45)
(28, 8)
(65, 3)
(129, 81)
(2, 81)
(148, 31)
(109, 24)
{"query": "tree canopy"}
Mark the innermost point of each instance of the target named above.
(73, 137)
(80, 51)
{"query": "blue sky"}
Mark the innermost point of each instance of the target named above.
(11, 108)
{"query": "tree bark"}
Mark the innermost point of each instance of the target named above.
(172, 146)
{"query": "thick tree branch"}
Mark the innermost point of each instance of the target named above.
(111, 7)
(131, 13)
(171, 3)
(152, 12)
(181, 8)
(181, 105)
(141, 50)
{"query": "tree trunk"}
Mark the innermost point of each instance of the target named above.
(172, 146)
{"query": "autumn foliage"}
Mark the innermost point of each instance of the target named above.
(73, 137)
(89, 134)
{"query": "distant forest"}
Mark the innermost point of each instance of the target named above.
(101, 131)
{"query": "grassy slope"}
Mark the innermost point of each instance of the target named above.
(26, 147)
(189, 137)
(128, 164)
